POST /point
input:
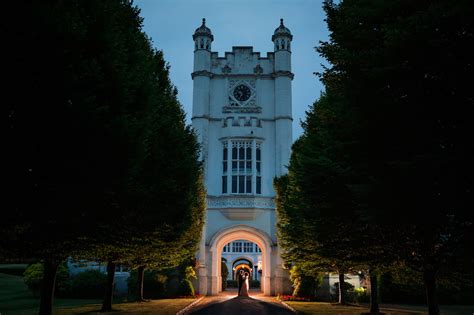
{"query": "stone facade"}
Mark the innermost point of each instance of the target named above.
(242, 114)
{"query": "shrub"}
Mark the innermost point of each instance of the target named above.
(361, 296)
(224, 274)
(349, 288)
(255, 284)
(190, 273)
(88, 284)
(295, 298)
(154, 284)
(33, 277)
(401, 284)
(186, 288)
(304, 285)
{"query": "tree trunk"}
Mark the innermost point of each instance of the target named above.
(429, 277)
(50, 266)
(140, 274)
(109, 287)
(374, 294)
(342, 289)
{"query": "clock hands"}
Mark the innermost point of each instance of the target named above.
(242, 93)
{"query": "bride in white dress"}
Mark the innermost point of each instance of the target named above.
(244, 291)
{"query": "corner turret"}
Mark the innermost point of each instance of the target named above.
(203, 37)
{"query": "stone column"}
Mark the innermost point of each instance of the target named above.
(202, 269)
(214, 274)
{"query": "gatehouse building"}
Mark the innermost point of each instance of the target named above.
(242, 115)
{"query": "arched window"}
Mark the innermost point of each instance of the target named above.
(241, 166)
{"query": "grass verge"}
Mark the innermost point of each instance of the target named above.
(16, 299)
(320, 308)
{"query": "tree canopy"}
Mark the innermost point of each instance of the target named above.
(386, 156)
(100, 161)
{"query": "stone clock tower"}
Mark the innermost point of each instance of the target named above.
(242, 117)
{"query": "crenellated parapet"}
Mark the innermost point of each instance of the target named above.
(242, 61)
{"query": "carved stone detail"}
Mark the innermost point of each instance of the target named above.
(225, 202)
(226, 69)
(238, 109)
(202, 73)
(258, 70)
(233, 102)
(283, 74)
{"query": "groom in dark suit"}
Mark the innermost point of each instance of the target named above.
(240, 280)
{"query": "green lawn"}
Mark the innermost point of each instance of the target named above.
(161, 307)
(16, 299)
(13, 266)
(324, 308)
(320, 308)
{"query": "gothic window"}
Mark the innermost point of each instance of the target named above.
(242, 163)
(202, 43)
(242, 168)
(257, 249)
(237, 247)
(226, 248)
(248, 247)
(282, 44)
(258, 167)
(224, 169)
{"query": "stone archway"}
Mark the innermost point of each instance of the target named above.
(234, 233)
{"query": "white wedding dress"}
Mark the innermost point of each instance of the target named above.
(244, 291)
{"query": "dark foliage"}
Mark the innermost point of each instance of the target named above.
(383, 172)
(88, 284)
(100, 161)
(154, 285)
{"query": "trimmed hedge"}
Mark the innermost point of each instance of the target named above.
(154, 284)
(88, 284)
(186, 288)
(33, 276)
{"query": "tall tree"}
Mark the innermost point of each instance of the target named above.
(88, 94)
(403, 67)
(320, 216)
(66, 138)
(390, 135)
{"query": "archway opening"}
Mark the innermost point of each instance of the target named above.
(241, 256)
(260, 265)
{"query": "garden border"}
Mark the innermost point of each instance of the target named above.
(184, 310)
(288, 307)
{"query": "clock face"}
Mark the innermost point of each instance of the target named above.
(242, 93)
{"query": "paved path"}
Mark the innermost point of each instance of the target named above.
(228, 303)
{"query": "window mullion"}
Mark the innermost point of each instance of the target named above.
(229, 167)
(254, 167)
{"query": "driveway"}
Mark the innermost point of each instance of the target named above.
(228, 303)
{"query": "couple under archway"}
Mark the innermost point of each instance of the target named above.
(243, 283)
